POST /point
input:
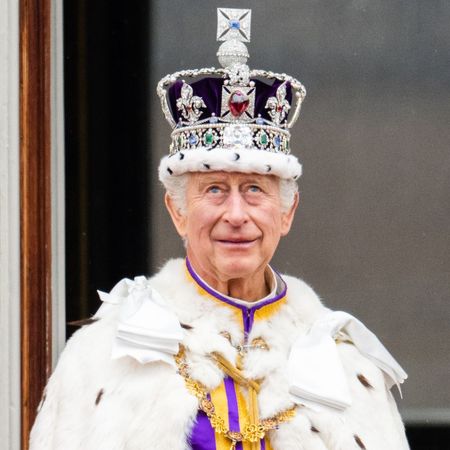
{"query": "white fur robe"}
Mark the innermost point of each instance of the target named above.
(93, 402)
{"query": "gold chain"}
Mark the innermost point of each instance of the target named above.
(252, 432)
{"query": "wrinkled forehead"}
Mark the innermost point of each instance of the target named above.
(233, 178)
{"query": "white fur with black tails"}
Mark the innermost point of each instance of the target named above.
(245, 160)
(95, 403)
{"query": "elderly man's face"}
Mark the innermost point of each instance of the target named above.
(233, 222)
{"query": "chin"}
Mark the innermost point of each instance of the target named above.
(237, 267)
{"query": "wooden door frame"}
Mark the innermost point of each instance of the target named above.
(35, 205)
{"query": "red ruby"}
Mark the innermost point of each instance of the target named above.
(279, 108)
(238, 103)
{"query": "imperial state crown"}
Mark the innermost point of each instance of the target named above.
(231, 118)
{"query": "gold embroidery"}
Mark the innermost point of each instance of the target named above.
(218, 423)
(252, 432)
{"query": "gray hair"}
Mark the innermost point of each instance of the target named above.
(176, 188)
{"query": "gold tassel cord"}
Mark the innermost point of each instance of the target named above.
(253, 432)
(234, 373)
(254, 413)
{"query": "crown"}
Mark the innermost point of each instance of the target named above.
(222, 118)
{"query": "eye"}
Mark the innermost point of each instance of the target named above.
(214, 189)
(254, 189)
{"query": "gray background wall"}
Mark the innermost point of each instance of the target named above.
(372, 230)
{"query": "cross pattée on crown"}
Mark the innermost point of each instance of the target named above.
(233, 24)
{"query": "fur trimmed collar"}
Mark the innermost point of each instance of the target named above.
(93, 402)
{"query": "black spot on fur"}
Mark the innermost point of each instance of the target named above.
(364, 381)
(99, 396)
(170, 171)
(181, 155)
(314, 429)
(237, 156)
(82, 322)
(206, 166)
(359, 442)
(41, 403)
(269, 168)
(186, 326)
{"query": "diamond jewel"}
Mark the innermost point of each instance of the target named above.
(278, 106)
(238, 135)
(190, 104)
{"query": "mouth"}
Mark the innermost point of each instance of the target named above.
(237, 242)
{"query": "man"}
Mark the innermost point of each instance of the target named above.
(219, 351)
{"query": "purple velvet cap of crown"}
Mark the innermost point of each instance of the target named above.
(210, 90)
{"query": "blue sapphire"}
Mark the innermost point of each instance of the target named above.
(277, 141)
(260, 121)
(193, 139)
(213, 119)
(234, 24)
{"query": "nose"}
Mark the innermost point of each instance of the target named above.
(236, 209)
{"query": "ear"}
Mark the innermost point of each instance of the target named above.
(288, 217)
(178, 219)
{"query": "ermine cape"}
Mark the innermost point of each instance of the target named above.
(113, 391)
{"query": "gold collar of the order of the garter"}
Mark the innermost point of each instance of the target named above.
(252, 432)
